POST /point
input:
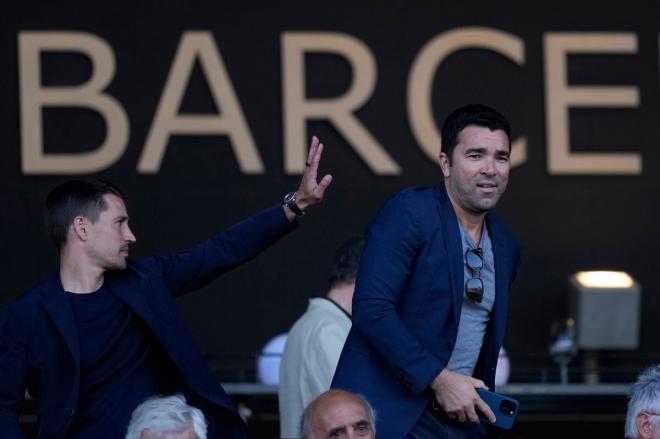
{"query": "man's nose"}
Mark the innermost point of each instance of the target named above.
(488, 166)
(129, 236)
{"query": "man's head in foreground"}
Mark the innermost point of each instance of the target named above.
(338, 414)
(643, 418)
(166, 418)
(475, 157)
(87, 219)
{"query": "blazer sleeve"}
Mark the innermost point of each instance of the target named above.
(13, 371)
(189, 270)
(392, 244)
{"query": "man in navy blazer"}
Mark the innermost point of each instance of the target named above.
(430, 304)
(103, 333)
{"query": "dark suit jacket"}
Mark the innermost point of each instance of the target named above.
(407, 304)
(39, 347)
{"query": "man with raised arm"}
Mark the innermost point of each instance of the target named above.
(103, 334)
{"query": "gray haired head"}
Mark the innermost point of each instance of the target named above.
(166, 414)
(644, 397)
(306, 420)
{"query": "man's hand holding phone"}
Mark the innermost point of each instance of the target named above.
(458, 397)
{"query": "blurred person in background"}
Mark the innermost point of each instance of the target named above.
(315, 341)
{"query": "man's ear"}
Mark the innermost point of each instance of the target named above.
(443, 161)
(644, 425)
(79, 227)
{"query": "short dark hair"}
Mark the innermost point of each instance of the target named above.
(347, 260)
(72, 198)
(473, 114)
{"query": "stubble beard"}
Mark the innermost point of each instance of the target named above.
(117, 264)
(473, 202)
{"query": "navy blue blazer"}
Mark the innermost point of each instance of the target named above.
(39, 346)
(407, 305)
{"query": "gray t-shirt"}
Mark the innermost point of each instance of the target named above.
(474, 316)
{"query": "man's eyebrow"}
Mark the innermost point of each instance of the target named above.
(362, 423)
(121, 217)
(337, 430)
(482, 150)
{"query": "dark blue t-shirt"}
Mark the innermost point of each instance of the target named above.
(116, 364)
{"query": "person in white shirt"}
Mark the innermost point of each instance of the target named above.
(315, 341)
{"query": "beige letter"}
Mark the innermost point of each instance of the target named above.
(199, 45)
(34, 97)
(420, 81)
(560, 97)
(298, 109)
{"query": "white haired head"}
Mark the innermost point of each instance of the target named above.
(644, 403)
(166, 415)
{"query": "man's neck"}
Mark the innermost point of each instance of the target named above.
(342, 295)
(472, 222)
(79, 276)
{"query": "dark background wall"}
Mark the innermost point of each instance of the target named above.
(565, 222)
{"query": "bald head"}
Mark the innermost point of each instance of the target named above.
(338, 413)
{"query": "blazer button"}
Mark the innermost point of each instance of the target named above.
(450, 345)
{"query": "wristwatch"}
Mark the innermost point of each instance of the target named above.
(289, 201)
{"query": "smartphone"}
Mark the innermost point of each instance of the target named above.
(504, 408)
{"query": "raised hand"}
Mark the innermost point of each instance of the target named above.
(310, 191)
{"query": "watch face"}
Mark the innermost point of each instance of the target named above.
(290, 201)
(290, 197)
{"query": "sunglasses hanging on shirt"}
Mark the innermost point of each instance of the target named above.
(474, 287)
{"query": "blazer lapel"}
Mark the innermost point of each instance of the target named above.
(58, 308)
(502, 267)
(454, 247)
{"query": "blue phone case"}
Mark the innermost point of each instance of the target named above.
(504, 408)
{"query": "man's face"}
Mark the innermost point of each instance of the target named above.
(479, 169)
(655, 432)
(110, 236)
(341, 416)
